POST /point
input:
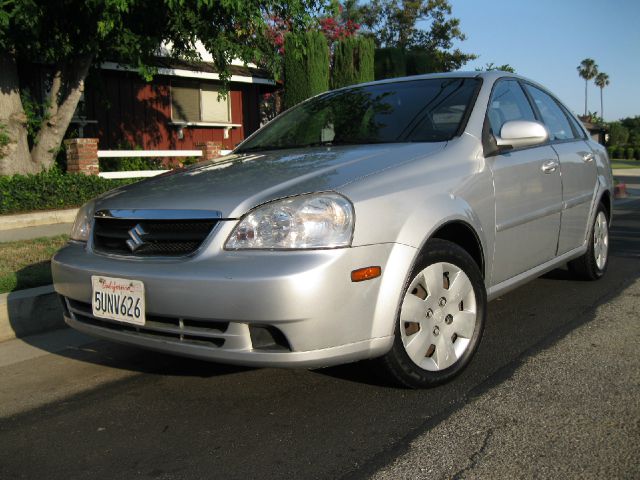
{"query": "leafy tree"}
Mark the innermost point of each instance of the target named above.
(601, 81)
(396, 23)
(71, 36)
(488, 67)
(618, 134)
(632, 125)
(588, 69)
(338, 24)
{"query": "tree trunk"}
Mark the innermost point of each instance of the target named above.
(601, 105)
(66, 89)
(585, 97)
(14, 155)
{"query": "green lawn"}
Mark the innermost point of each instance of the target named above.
(26, 263)
(625, 163)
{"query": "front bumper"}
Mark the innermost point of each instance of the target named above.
(205, 306)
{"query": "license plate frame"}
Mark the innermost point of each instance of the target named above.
(118, 299)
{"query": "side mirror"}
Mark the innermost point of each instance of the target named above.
(521, 133)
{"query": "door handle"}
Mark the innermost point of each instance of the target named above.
(550, 166)
(588, 157)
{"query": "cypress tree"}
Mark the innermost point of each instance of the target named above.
(296, 84)
(306, 66)
(353, 61)
(317, 62)
(344, 63)
(366, 56)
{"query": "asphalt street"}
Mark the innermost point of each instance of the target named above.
(557, 348)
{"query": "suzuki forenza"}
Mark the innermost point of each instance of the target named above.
(374, 221)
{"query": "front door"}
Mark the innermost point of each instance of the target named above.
(528, 206)
(528, 191)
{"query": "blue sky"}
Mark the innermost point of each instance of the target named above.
(545, 40)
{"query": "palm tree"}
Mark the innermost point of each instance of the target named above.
(587, 70)
(602, 80)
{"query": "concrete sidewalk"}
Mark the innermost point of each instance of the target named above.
(626, 172)
(28, 233)
(26, 226)
(570, 411)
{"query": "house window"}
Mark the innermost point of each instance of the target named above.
(198, 102)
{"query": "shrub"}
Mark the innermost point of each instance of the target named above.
(51, 190)
(630, 153)
(4, 139)
(612, 151)
(306, 66)
(127, 164)
(637, 152)
(390, 63)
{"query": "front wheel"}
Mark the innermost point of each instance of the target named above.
(441, 317)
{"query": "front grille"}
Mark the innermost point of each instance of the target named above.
(171, 238)
(183, 330)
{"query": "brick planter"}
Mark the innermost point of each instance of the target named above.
(82, 156)
(211, 150)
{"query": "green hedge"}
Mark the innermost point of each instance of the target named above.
(390, 63)
(51, 190)
(420, 62)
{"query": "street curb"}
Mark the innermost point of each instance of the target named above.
(30, 311)
(10, 222)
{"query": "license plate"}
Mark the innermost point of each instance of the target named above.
(118, 299)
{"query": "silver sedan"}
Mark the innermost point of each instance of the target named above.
(375, 221)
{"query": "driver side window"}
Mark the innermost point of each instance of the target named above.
(508, 102)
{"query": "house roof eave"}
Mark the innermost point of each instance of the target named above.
(238, 74)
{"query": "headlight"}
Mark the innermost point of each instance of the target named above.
(82, 225)
(321, 220)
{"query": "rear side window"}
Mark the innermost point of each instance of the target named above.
(552, 115)
(508, 102)
(577, 129)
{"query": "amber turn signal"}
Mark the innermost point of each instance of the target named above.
(366, 273)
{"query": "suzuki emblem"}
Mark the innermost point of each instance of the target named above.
(136, 241)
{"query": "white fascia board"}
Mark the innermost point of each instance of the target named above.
(177, 72)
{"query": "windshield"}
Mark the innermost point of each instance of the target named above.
(430, 110)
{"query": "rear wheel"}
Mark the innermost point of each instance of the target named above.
(441, 317)
(593, 264)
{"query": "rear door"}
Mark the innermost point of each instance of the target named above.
(577, 166)
(528, 197)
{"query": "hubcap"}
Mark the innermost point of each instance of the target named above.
(438, 316)
(601, 240)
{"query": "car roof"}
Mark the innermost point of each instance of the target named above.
(491, 75)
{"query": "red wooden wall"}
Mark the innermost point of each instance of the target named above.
(132, 113)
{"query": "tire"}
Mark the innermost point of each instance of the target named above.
(441, 317)
(593, 264)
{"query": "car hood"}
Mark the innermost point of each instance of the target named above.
(236, 183)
